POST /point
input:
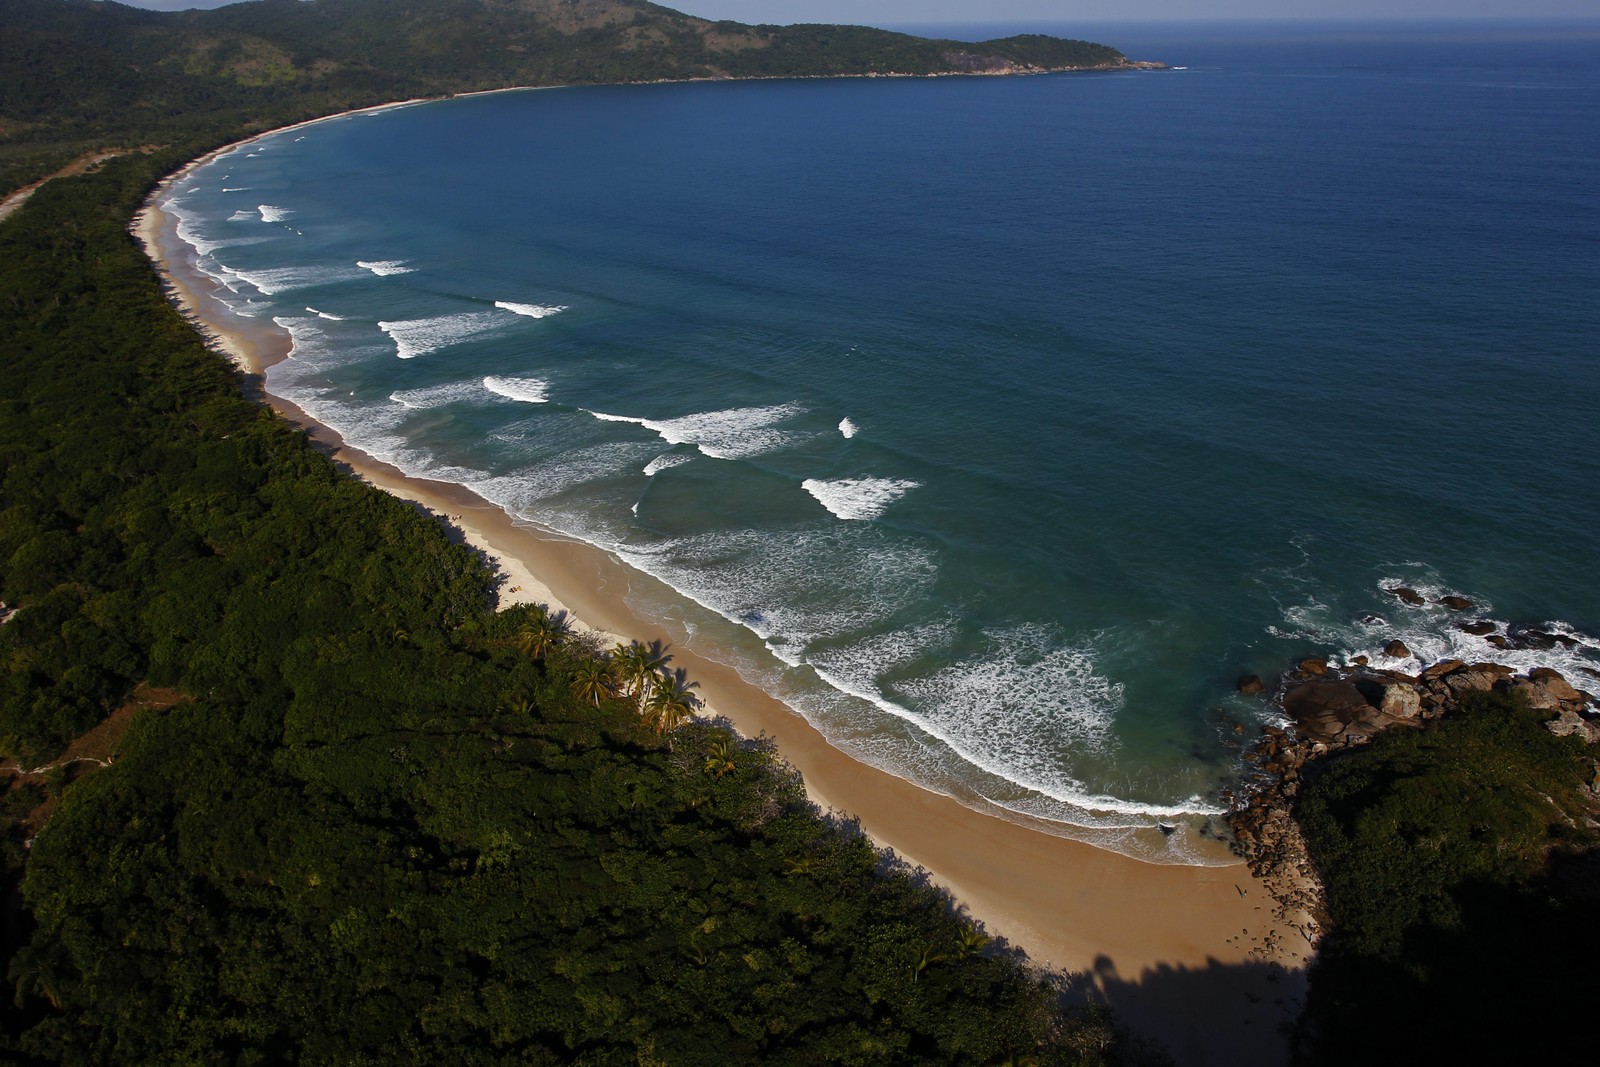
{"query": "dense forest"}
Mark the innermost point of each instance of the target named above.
(280, 785)
(357, 815)
(1462, 873)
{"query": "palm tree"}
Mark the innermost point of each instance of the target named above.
(542, 631)
(638, 664)
(670, 704)
(34, 972)
(928, 958)
(972, 941)
(719, 757)
(593, 679)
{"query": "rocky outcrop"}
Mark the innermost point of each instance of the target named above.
(1337, 709)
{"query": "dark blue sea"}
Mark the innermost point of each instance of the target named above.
(996, 424)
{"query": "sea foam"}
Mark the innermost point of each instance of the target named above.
(848, 428)
(383, 268)
(527, 390)
(438, 395)
(417, 337)
(532, 311)
(732, 433)
(663, 461)
(858, 498)
(274, 280)
(273, 214)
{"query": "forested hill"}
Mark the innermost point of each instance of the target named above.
(85, 73)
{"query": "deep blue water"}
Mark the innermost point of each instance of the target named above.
(998, 424)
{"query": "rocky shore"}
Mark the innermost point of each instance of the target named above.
(1331, 709)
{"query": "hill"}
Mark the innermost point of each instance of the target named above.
(81, 74)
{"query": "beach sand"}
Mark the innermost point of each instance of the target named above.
(1190, 957)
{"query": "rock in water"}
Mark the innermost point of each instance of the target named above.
(1410, 596)
(1397, 650)
(1456, 603)
(1252, 683)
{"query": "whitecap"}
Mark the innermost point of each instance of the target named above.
(416, 337)
(527, 390)
(532, 311)
(858, 498)
(326, 315)
(270, 213)
(848, 428)
(383, 268)
(663, 461)
(274, 280)
(732, 433)
(242, 216)
(437, 395)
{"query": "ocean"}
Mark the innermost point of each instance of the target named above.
(997, 425)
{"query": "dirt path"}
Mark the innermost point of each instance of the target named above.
(77, 166)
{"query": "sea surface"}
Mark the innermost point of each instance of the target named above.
(996, 424)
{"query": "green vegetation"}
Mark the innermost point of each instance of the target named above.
(1461, 882)
(375, 820)
(81, 74)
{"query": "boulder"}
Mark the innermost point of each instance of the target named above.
(1397, 650)
(1570, 722)
(1498, 641)
(1480, 628)
(1316, 667)
(1410, 596)
(1442, 668)
(1323, 709)
(1252, 683)
(1401, 701)
(1470, 679)
(1554, 683)
(1456, 603)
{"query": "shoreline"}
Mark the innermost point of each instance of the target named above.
(1192, 956)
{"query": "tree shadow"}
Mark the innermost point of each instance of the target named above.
(1222, 1014)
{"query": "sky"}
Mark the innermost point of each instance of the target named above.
(910, 12)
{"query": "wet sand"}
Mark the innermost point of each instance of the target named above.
(1191, 957)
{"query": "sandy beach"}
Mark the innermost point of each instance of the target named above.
(1191, 957)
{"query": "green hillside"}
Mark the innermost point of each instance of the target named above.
(82, 74)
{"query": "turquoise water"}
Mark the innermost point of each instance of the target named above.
(997, 424)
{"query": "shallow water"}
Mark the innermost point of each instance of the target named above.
(1000, 424)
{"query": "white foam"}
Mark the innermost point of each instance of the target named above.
(326, 315)
(416, 337)
(532, 311)
(603, 417)
(663, 461)
(304, 334)
(848, 428)
(383, 268)
(518, 492)
(188, 231)
(1432, 632)
(238, 189)
(858, 498)
(273, 214)
(274, 280)
(732, 433)
(243, 216)
(438, 395)
(527, 390)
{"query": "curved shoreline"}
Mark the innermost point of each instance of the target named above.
(1120, 920)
